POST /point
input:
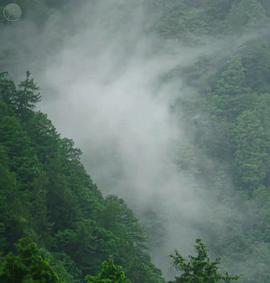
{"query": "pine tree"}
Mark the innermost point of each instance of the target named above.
(25, 98)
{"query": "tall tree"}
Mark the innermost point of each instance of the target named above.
(25, 98)
(199, 268)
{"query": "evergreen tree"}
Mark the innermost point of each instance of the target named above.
(199, 268)
(25, 98)
(110, 273)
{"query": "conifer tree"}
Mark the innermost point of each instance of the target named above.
(199, 268)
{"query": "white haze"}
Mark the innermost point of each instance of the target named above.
(103, 86)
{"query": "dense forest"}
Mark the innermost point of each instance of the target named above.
(56, 225)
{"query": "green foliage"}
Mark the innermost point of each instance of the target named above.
(26, 96)
(246, 14)
(228, 130)
(46, 193)
(30, 265)
(23, 99)
(189, 20)
(110, 273)
(251, 149)
(199, 268)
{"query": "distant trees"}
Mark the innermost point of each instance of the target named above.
(251, 147)
(199, 268)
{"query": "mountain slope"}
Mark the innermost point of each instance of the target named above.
(47, 195)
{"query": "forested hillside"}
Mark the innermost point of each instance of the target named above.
(49, 206)
(228, 123)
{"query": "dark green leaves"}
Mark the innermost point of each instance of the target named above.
(199, 268)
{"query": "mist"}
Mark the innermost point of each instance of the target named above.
(103, 75)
